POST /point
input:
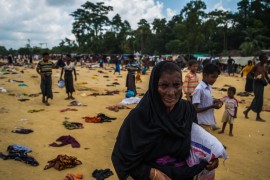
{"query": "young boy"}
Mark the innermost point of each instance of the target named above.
(230, 112)
(44, 69)
(203, 100)
(191, 80)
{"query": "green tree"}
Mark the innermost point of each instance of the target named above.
(88, 25)
(3, 51)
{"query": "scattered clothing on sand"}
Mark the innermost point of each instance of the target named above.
(68, 109)
(65, 140)
(93, 119)
(18, 147)
(226, 85)
(70, 176)
(72, 125)
(244, 94)
(22, 131)
(3, 89)
(34, 95)
(76, 103)
(131, 100)
(85, 89)
(107, 93)
(3, 110)
(62, 162)
(19, 153)
(117, 107)
(35, 110)
(23, 100)
(100, 118)
(11, 81)
(105, 118)
(22, 84)
(101, 174)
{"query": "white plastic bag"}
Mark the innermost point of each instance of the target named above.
(61, 83)
(204, 146)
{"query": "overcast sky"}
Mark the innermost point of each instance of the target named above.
(48, 21)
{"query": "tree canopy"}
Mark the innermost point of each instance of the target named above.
(191, 30)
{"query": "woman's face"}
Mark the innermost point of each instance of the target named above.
(170, 88)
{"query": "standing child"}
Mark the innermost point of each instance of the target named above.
(203, 99)
(205, 103)
(44, 69)
(191, 80)
(230, 112)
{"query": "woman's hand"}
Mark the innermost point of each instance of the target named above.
(158, 175)
(212, 164)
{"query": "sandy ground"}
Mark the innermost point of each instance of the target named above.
(249, 149)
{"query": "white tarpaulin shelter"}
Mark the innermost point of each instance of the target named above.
(238, 60)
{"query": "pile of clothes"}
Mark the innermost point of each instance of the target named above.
(72, 125)
(62, 162)
(100, 118)
(19, 153)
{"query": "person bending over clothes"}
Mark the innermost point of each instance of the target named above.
(160, 125)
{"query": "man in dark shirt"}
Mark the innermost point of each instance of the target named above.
(230, 63)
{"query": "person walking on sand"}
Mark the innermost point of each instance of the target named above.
(230, 112)
(44, 69)
(261, 79)
(117, 65)
(69, 68)
(230, 63)
(249, 78)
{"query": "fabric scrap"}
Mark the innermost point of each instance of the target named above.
(19, 153)
(22, 131)
(72, 125)
(102, 174)
(65, 140)
(62, 162)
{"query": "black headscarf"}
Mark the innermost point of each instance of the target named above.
(146, 126)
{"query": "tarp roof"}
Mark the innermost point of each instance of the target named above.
(238, 60)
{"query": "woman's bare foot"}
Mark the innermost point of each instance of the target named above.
(67, 98)
(72, 98)
(220, 132)
(246, 114)
(47, 104)
(231, 134)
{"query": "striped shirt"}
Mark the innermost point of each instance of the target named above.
(45, 67)
(190, 83)
(132, 67)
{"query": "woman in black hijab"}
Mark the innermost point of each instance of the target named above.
(159, 126)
